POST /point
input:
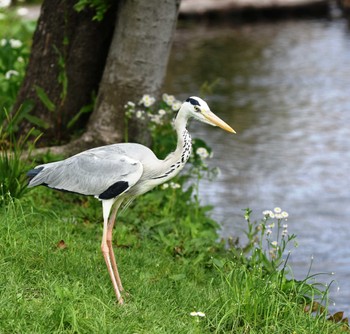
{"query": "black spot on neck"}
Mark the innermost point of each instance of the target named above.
(194, 102)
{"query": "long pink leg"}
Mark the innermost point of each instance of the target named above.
(110, 245)
(107, 205)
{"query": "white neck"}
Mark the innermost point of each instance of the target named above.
(176, 160)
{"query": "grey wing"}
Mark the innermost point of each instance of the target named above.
(105, 173)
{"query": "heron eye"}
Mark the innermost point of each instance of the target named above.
(196, 108)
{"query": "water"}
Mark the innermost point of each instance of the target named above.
(285, 88)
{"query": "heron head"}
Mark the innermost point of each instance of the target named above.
(199, 109)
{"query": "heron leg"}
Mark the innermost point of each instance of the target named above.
(110, 245)
(107, 205)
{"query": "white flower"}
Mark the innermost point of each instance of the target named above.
(20, 59)
(268, 232)
(15, 43)
(140, 114)
(165, 186)
(176, 105)
(147, 100)
(155, 118)
(3, 41)
(5, 3)
(285, 214)
(202, 152)
(197, 314)
(168, 99)
(161, 112)
(277, 209)
(274, 243)
(22, 11)
(10, 73)
(268, 213)
(174, 185)
(278, 215)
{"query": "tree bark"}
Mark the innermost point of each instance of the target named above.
(136, 65)
(67, 59)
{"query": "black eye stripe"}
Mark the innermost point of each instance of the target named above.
(193, 101)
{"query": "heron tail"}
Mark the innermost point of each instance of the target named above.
(33, 172)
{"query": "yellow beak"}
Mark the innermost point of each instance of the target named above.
(216, 121)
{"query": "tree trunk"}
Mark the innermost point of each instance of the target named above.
(136, 65)
(68, 55)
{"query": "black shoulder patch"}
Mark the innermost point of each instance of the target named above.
(194, 102)
(114, 190)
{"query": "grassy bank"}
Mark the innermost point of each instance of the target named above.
(53, 278)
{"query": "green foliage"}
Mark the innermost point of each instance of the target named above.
(15, 44)
(13, 183)
(44, 98)
(252, 301)
(13, 58)
(99, 6)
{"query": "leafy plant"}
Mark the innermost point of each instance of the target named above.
(12, 165)
(13, 61)
(99, 6)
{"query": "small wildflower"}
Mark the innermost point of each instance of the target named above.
(174, 185)
(202, 152)
(268, 214)
(155, 119)
(11, 73)
(140, 114)
(272, 225)
(147, 100)
(278, 215)
(22, 11)
(161, 112)
(168, 99)
(5, 3)
(20, 59)
(3, 41)
(268, 232)
(197, 314)
(285, 214)
(285, 226)
(15, 43)
(274, 243)
(277, 210)
(165, 186)
(176, 105)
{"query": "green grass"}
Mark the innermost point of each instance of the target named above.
(48, 289)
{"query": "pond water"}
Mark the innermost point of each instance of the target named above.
(285, 88)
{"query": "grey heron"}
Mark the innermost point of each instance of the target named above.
(114, 173)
